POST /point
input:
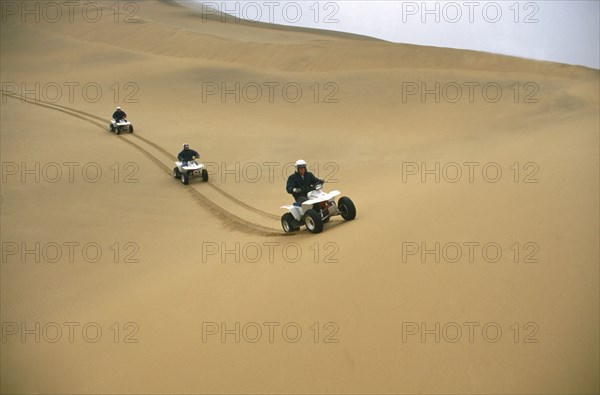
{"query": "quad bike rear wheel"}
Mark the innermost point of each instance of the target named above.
(287, 223)
(185, 178)
(313, 222)
(347, 208)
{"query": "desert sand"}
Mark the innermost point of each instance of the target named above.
(472, 265)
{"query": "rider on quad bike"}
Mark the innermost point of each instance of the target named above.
(301, 182)
(119, 114)
(187, 154)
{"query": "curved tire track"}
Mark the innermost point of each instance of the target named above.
(216, 188)
(231, 220)
(167, 154)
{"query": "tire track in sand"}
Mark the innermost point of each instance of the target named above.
(167, 154)
(231, 220)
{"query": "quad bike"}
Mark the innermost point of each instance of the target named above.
(186, 170)
(120, 126)
(316, 211)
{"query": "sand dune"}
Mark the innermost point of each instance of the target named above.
(491, 161)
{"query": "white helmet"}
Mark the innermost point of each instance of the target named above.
(185, 145)
(300, 163)
(118, 108)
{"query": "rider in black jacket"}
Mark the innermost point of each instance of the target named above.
(119, 114)
(187, 154)
(301, 182)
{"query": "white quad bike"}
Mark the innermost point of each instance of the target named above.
(120, 126)
(316, 211)
(186, 170)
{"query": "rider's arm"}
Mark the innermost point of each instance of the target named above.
(314, 180)
(290, 185)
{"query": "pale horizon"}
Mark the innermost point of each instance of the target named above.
(557, 31)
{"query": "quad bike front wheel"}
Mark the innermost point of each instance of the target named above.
(204, 175)
(347, 208)
(185, 178)
(130, 128)
(176, 173)
(313, 221)
(111, 128)
(287, 223)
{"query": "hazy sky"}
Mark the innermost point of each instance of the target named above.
(561, 31)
